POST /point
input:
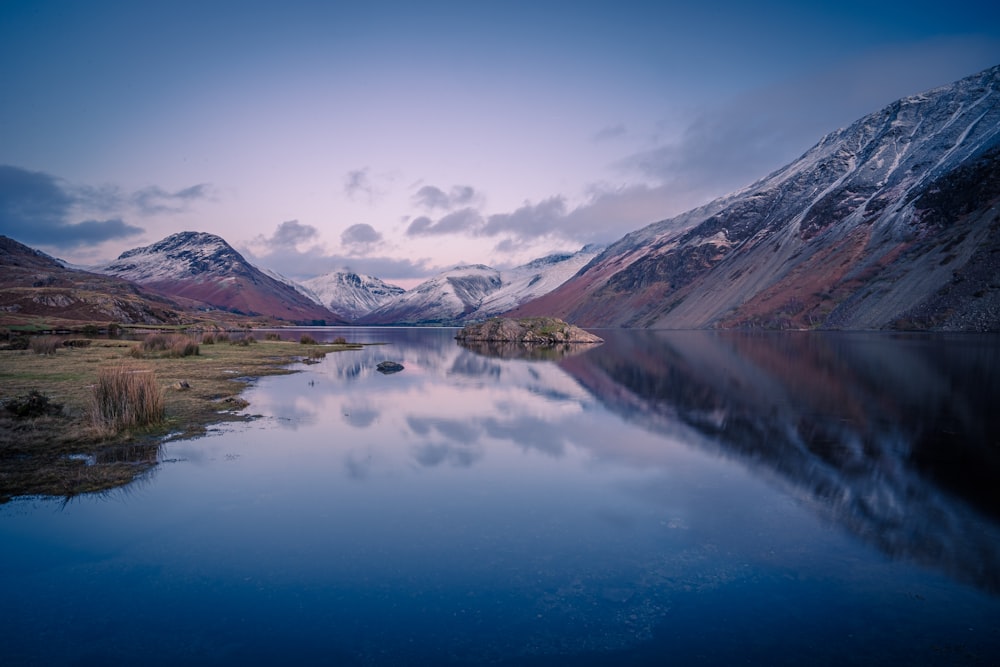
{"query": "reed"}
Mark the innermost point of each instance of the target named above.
(125, 398)
(44, 344)
(167, 345)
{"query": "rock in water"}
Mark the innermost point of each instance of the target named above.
(542, 330)
(387, 367)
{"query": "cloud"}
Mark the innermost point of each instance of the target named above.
(35, 208)
(727, 147)
(430, 197)
(361, 235)
(610, 132)
(315, 260)
(360, 185)
(529, 220)
(466, 220)
(155, 200)
(292, 233)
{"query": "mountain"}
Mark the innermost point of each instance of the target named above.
(444, 299)
(350, 294)
(532, 280)
(204, 268)
(35, 286)
(893, 222)
(473, 293)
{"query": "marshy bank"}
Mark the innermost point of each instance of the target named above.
(80, 415)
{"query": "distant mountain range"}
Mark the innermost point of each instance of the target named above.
(893, 222)
(472, 293)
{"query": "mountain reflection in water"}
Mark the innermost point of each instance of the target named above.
(896, 438)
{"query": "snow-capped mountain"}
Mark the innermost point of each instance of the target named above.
(444, 299)
(204, 268)
(350, 294)
(472, 293)
(889, 223)
(532, 280)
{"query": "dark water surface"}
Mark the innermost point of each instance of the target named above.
(664, 498)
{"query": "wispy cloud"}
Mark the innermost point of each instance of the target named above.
(155, 200)
(610, 132)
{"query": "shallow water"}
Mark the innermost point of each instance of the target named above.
(663, 498)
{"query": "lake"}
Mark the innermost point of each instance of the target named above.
(708, 498)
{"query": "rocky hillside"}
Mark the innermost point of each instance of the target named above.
(36, 286)
(204, 268)
(893, 222)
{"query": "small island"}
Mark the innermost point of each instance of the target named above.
(540, 330)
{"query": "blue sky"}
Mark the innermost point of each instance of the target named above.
(400, 138)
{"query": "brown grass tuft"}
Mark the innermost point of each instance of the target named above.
(306, 339)
(124, 398)
(45, 344)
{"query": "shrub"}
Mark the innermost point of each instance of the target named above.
(125, 397)
(174, 345)
(272, 336)
(183, 346)
(44, 344)
(208, 339)
(30, 405)
(340, 340)
(306, 339)
(222, 337)
(243, 341)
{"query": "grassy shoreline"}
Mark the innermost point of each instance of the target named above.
(61, 452)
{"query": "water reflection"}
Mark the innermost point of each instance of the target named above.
(534, 351)
(894, 438)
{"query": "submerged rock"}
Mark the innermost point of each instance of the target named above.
(542, 330)
(387, 367)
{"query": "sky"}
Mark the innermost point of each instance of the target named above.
(399, 139)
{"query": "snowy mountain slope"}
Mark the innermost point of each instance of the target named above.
(203, 267)
(444, 299)
(890, 222)
(472, 293)
(350, 294)
(532, 280)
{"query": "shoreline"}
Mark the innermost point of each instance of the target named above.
(55, 450)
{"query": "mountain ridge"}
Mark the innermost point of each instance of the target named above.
(835, 239)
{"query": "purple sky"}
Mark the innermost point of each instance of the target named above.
(400, 138)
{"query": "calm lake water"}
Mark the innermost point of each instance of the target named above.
(663, 498)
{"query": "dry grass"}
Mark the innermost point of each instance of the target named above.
(125, 398)
(35, 453)
(44, 344)
(167, 345)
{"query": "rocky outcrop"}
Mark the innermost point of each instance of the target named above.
(538, 330)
